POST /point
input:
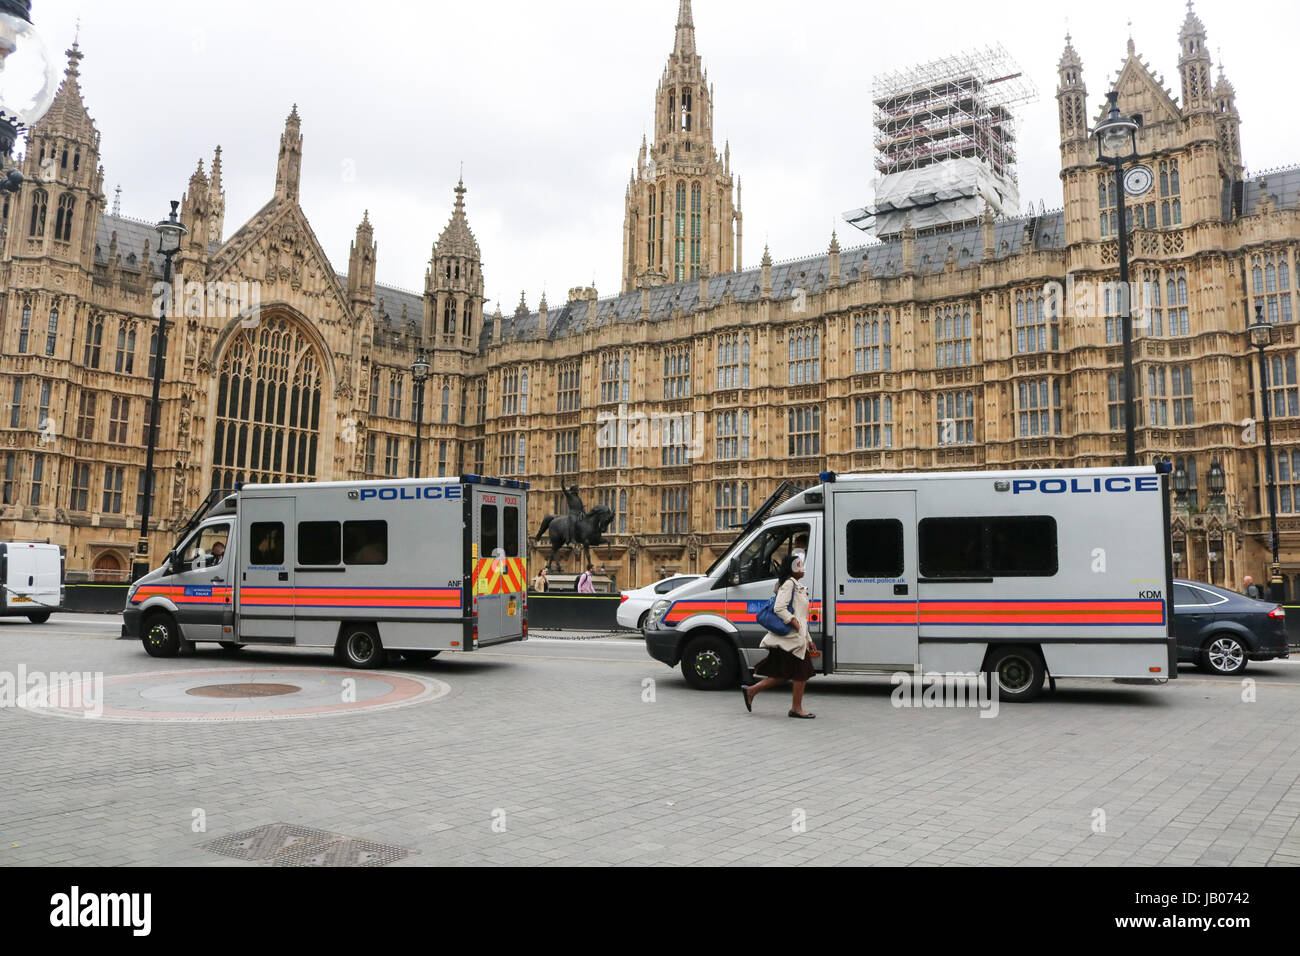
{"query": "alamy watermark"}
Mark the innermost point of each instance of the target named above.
(1092, 299)
(209, 300)
(927, 689)
(680, 432)
(65, 691)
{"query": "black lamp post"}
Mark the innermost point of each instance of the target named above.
(1117, 144)
(1261, 336)
(170, 232)
(28, 82)
(419, 372)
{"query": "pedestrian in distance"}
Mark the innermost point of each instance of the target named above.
(540, 582)
(1250, 588)
(787, 655)
(586, 584)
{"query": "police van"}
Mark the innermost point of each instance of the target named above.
(364, 568)
(1019, 574)
(31, 580)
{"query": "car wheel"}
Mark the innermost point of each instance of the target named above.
(1223, 654)
(362, 648)
(640, 622)
(1019, 673)
(709, 663)
(40, 617)
(160, 636)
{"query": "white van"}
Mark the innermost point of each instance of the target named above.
(417, 566)
(31, 578)
(1022, 574)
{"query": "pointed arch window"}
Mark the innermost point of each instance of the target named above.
(695, 231)
(24, 329)
(63, 218)
(679, 234)
(446, 403)
(449, 317)
(40, 204)
(268, 407)
(125, 360)
(687, 106)
(94, 339)
(52, 332)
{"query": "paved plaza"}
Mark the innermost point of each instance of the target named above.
(559, 751)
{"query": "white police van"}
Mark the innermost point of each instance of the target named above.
(1023, 574)
(31, 580)
(416, 566)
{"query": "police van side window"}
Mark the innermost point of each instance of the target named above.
(988, 547)
(319, 543)
(510, 531)
(266, 542)
(762, 557)
(365, 542)
(207, 548)
(487, 530)
(875, 548)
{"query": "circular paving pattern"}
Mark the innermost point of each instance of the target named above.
(233, 694)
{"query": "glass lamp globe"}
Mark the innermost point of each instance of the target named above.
(28, 76)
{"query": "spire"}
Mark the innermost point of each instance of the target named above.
(1194, 63)
(457, 239)
(684, 46)
(117, 201)
(289, 170)
(68, 111)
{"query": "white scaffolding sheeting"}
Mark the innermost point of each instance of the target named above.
(945, 141)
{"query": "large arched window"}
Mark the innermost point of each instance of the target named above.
(63, 220)
(268, 407)
(40, 202)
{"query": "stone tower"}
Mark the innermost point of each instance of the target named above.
(453, 286)
(681, 219)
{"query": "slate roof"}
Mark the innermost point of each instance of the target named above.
(811, 273)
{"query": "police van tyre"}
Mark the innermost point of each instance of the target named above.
(39, 617)
(1223, 654)
(1019, 671)
(709, 663)
(160, 635)
(360, 647)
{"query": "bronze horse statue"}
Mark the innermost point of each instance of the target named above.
(570, 529)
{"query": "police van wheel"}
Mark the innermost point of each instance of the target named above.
(1223, 654)
(40, 617)
(362, 648)
(160, 636)
(1018, 671)
(709, 663)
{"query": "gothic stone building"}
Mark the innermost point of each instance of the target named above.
(685, 400)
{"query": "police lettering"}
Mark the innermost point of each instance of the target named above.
(406, 493)
(1083, 486)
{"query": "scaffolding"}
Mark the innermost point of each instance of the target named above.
(945, 141)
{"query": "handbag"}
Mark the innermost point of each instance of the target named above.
(767, 618)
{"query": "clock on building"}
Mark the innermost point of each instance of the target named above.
(1138, 180)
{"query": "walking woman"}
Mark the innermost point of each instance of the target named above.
(787, 657)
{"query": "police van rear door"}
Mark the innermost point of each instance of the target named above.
(498, 562)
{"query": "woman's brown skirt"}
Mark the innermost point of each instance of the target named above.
(783, 665)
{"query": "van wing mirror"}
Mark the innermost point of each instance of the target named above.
(733, 571)
(174, 563)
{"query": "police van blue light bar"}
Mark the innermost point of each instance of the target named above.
(826, 477)
(1164, 467)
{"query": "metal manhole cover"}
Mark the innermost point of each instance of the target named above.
(284, 844)
(243, 690)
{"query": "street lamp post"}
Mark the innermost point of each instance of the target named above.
(1261, 336)
(1117, 144)
(170, 232)
(419, 372)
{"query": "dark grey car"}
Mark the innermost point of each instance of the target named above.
(1221, 630)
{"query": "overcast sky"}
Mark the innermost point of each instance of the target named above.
(545, 103)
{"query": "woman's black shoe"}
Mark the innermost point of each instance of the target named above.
(749, 704)
(802, 716)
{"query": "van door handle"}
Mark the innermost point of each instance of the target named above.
(218, 580)
(900, 588)
(284, 575)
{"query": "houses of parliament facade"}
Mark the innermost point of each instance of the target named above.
(686, 399)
